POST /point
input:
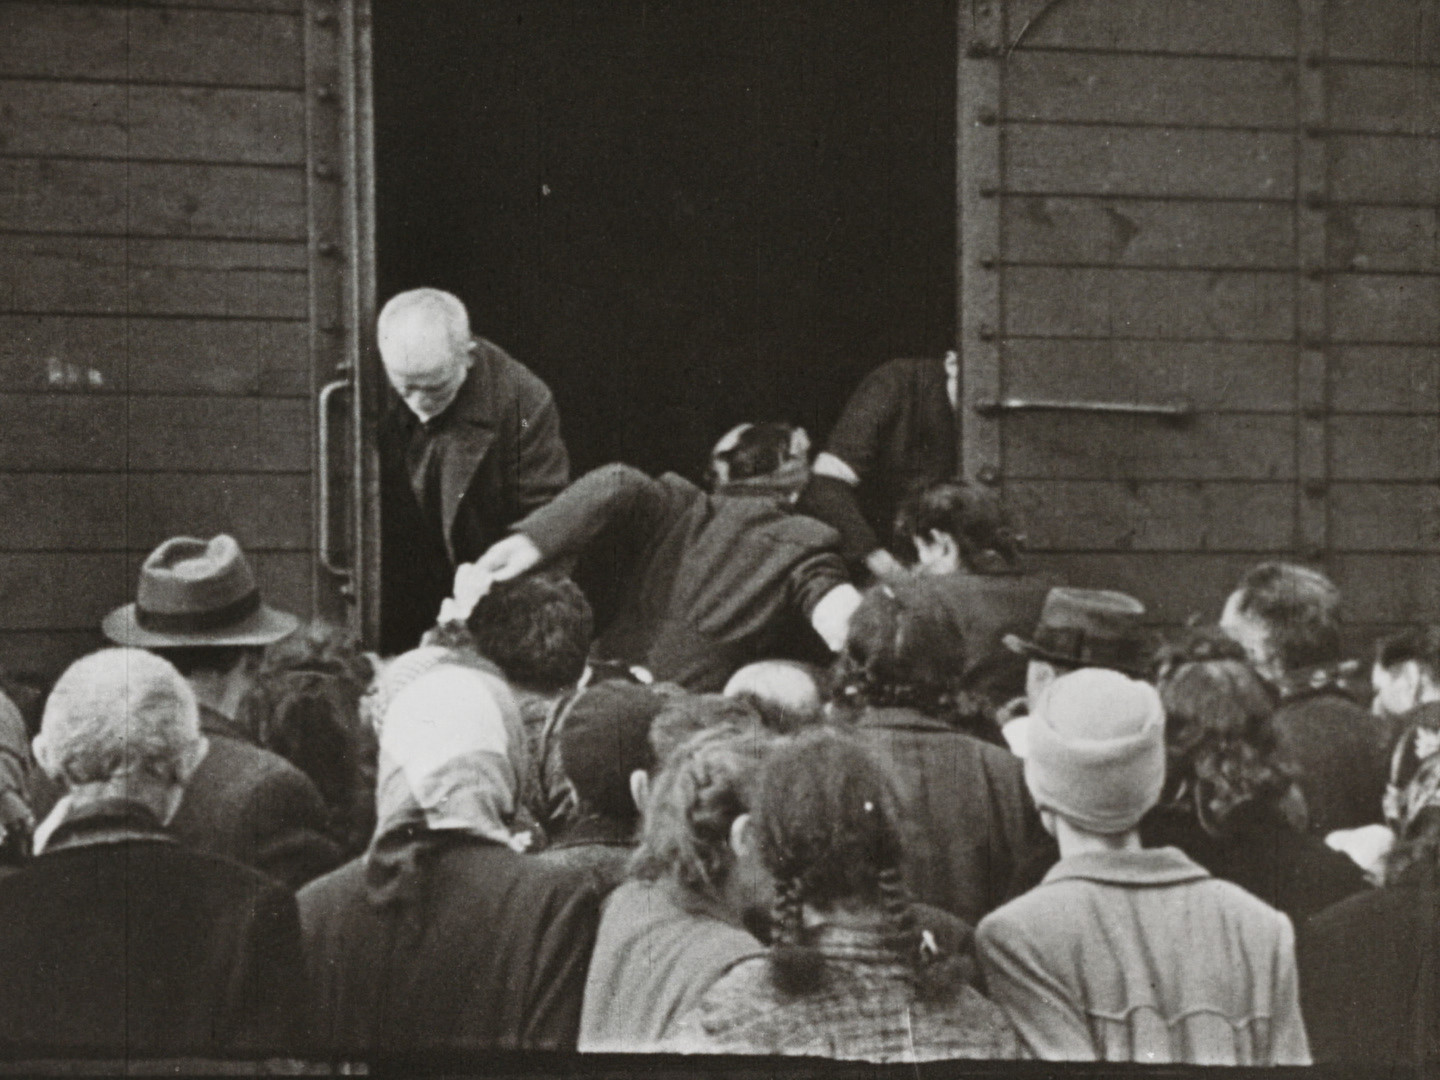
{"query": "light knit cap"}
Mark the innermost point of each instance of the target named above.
(1097, 750)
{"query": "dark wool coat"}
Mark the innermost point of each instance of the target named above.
(702, 584)
(1290, 870)
(1342, 752)
(973, 838)
(1360, 963)
(898, 435)
(496, 454)
(253, 806)
(452, 943)
(128, 943)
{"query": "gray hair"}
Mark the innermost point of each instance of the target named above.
(437, 304)
(118, 712)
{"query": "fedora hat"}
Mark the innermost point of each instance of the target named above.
(197, 592)
(1087, 628)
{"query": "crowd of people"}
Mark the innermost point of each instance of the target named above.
(719, 771)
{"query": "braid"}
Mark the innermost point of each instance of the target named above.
(904, 934)
(795, 968)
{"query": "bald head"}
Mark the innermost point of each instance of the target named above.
(424, 339)
(784, 693)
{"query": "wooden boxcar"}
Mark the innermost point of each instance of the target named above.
(1196, 293)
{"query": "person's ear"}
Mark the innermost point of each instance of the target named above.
(949, 549)
(640, 789)
(1428, 687)
(1047, 819)
(742, 836)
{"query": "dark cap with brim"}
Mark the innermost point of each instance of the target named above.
(1088, 628)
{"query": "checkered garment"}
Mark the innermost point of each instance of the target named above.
(866, 1009)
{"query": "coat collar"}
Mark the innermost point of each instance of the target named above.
(109, 821)
(902, 720)
(1151, 866)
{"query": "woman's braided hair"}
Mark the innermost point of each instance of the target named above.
(828, 832)
(706, 783)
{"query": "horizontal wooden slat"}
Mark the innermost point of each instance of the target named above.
(1095, 160)
(1394, 100)
(1199, 516)
(247, 5)
(87, 512)
(76, 591)
(101, 433)
(1385, 517)
(1395, 307)
(1385, 378)
(1173, 586)
(60, 40)
(166, 356)
(217, 47)
(152, 277)
(1150, 90)
(1165, 232)
(110, 120)
(38, 657)
(1384, 238)
(1385, 448)
(1212, 377)
(1388, 31)
(1385, 169)
(152, 199)
(1042, 446)
(1148, 303)
(1191, 27)
(1389, 588)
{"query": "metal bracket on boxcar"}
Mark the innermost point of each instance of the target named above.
(1179, 409)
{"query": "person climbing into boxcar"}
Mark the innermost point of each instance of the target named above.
(968, 555)
(851, 973)
(470, 444)
(198, 605)
(707, 582)
(896, 436)
(1287, 618)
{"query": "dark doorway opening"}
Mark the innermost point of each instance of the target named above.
(680, 215)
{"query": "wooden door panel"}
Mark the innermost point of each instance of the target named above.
(1184, 27)
(1103, 231)
(1150, 90)
(1403, 308)
(1153, 515)
(1212, 376)
(1384, 169)
(1122, 303)
(1385, 448)
(1238, 447)
(1198, 163)
(1386, 517)
(1391, 238)
(1386, 379)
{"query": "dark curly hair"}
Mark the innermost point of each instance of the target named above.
(304, 704)
(1193, 644)
(829, 832)
(536, 629)
(1300, 609)
(971, 514)
(1419, 643)
(1220, 743)
(903, 650)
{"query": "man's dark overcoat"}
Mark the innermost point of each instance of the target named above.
(453, 486)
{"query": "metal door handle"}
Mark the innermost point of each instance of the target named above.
(1173, 410)
(322, 407)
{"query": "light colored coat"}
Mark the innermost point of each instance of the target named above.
(1143, 956)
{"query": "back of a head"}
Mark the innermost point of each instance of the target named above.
(1418, 644)
(682, 716)
(1300, 610)
(536, 629)
(750, 451)
(1097, 750)
(706, 783)
(785, 693)
(1219, 740)
(972, 515)
(118, 712)
(605, 738)
(903, 649)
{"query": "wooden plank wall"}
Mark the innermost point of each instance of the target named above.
(154, 336)
(1233, 201)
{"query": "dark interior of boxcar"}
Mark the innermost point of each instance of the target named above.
(680, 215)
